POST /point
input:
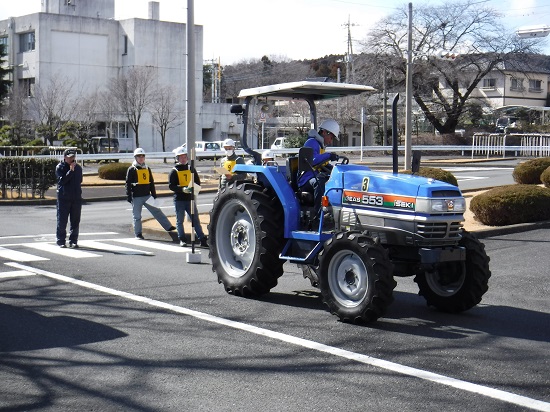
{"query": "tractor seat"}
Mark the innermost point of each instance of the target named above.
(305, 198)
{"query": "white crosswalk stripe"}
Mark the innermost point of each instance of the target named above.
(19, 256)
(154, 245)
(15, 274)
(88, 249)
(53, 248)
(121, 250)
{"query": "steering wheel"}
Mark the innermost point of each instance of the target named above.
(343, 160)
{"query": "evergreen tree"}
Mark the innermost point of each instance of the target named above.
(5, 83)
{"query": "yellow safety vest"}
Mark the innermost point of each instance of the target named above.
(229, 165)
(143, 176)
(184, 177)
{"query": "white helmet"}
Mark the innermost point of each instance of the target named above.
(229, 142)
(330, 125)
(180, 151)
(139, 151)
(268, 154)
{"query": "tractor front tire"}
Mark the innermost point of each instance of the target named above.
(457, 286)
(246, 238)
(355, 277)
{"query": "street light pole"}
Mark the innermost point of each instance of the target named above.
(408, 99)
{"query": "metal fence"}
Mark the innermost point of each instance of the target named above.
(531, 144)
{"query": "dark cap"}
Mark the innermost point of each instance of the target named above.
(69, 152)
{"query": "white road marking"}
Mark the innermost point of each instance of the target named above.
(52, 235)
(465, 178)
(16, 274)
(477, 169)
(100, 246)
(153, 245)
(53, 248)
(498, 394)
(19, 256)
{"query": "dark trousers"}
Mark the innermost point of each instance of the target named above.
(317, 187)
(66, 209)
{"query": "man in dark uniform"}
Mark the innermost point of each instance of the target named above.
(69, 198)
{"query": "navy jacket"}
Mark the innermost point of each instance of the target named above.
(69, 183)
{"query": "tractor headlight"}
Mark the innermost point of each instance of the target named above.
(441, 205)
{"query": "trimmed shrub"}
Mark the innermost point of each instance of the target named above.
(545, 177)
(528, 173)
(512, 204)
(434, 173)
(113, 171)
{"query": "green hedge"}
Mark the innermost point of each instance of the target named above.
(113, 171)
(529, 172)
(434, 173)
(19, 175)
(545, 177)
(512, 204)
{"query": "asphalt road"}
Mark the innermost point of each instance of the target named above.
(130, 325)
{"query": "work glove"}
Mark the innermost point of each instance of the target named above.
(129, 199)
(333, 157)
(188, 190)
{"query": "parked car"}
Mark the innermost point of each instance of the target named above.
(203, 148)
(102, 145)
(279, 143)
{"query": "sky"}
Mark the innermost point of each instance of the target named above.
(295, 29)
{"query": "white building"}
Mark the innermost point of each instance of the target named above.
(79, 42)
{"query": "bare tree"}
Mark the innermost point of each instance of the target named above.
(17, 112)
(164, 111)
(52, 106)
(441, 88)
(133, 92)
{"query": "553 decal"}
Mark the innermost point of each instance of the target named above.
(378, 200)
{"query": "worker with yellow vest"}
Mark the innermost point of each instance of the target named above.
(140, 188)
(228, 162)
(184, 192)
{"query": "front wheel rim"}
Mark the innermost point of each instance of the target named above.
(348, 278)
(235, 238)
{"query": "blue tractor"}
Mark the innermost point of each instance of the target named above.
(374, 226)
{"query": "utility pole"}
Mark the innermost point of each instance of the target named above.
(408, 100)
(350, 77)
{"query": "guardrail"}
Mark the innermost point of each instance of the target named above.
(492, 144)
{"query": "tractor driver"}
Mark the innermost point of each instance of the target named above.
(314, 181)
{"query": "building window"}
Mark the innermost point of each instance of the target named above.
(26, 42)
(535, 86)
(4, 42)
(516, 84)
(489, 83)
(27, 86)
(121, 130)
(125, 46)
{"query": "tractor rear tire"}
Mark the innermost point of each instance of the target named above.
(456, 287)
(355, 277)
(246, 238)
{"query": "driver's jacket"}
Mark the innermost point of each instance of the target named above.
(320, 157)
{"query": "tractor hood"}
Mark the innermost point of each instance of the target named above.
(356, 186)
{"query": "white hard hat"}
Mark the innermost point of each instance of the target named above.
(229, 142)
(268, 154)
(139, 151)
(180, 151)
(330, 125)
